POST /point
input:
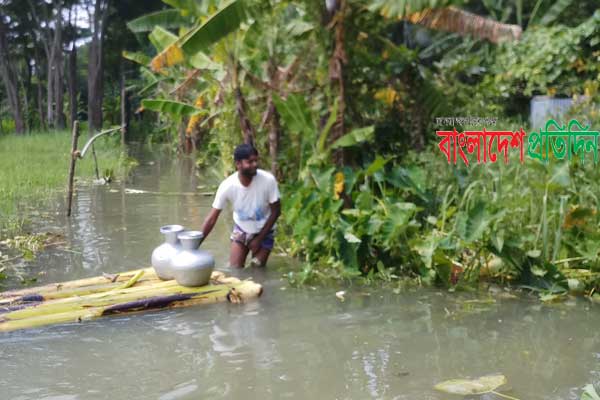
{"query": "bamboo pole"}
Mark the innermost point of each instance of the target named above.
(74, 138)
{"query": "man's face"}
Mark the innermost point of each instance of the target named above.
(248, 166)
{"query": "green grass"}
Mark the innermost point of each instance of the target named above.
(34, 170)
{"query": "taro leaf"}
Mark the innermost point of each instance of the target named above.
(472, 224)
(376, 165)
(322, 177)
(411, 179)
(538, 270)
(590, 393)
(354, 137)
(351, 238)
(350, 178)
(347, 252)
(397, 220)
(534, 253)
(482, 385)
(575, 285)
(299, 27)
(498, 240)
(426, 247)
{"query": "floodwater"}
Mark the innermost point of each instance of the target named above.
(290, 343)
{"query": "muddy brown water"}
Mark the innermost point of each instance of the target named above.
(290, 343)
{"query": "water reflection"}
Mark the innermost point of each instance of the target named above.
(290, 343)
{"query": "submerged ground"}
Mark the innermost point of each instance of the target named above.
(291, 343)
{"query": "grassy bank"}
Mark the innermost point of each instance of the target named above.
(34, 169)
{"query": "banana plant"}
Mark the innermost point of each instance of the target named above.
(174, 72)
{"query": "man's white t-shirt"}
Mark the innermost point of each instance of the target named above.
(250, 204)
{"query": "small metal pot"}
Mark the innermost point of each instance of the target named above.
(192, 267)
(162, 255)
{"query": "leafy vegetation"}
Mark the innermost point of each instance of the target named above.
(341, 99)
(344, 103)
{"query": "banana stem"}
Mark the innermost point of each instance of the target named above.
(133, 280)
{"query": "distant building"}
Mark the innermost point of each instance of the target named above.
(544, 107)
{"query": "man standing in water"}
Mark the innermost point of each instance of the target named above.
(254, 195)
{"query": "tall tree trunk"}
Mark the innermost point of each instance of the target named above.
(240, 106)
(274, 135)
(275, 124)
(96, 67)
(40, 90)
(26, 107)
(59, 86)
(52, 44)
(125, 114)
(28, 95)
(50, 93)
(9, 77)
(59, 91)
(336, 76)
(72, 83)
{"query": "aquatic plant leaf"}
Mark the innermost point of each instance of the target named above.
(472, 224)
(484, 384)
(351, 238)
(376, 165)
(590, 393)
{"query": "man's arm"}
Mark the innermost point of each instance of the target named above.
(275, 213)
(210, 221)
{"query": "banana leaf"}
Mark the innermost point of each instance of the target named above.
(164, 18)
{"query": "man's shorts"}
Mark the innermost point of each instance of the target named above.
(238, 235)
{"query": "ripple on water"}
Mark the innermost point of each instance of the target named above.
(297, 343)
(180, 391)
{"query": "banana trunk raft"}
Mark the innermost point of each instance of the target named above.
(110, 294)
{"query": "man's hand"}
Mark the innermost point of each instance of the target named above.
(209, 222)
(254, 245)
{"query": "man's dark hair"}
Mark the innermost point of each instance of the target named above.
(244, 151)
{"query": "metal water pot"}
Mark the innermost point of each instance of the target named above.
(192, 267)
(162, 255)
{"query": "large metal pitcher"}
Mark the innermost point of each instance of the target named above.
(192, 267)
(162, 255)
